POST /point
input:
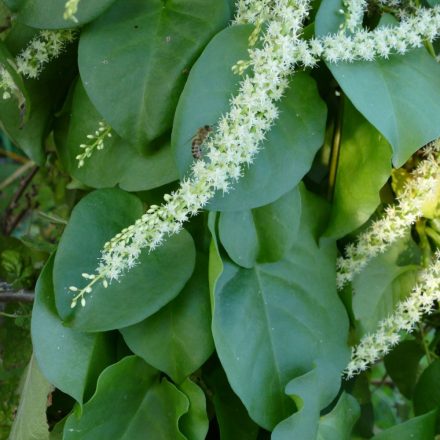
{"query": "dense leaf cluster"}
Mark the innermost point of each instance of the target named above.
(233, 328)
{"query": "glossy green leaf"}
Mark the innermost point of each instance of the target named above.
(297, 322)
(118, 163)
(131, 402)
(70, 360)
(263, 234)
(150, 46)
(233, 420)
(385, 281)
(402, 365)
(48, 14)
(30, 421)
(194, 424)
(339, 422)
(177, 339)
(288, 152)
(363, 168)
(153, 282)
(426, 396)
(420, 428)
(398, 95)
(44, 96)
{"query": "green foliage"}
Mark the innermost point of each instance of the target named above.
(232, 329)
(156, 31)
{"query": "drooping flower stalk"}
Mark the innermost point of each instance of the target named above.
(382, 42)
(407, 314)
(420, 191)
(95, 142)
(234, 144)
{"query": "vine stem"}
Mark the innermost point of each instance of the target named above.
(335, 147)
(16, 297)
(425, 346)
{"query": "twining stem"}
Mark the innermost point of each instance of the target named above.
(335, 147)
(425, 345)
(15, 175)
(424, 242)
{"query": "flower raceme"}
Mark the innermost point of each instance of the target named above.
(418, 195)
(95, 142)
(407, 314)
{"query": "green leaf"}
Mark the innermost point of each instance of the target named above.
(194, 424)
(118, 163)
(70, 360)
(297, 322)
(48, 14)
(233, 420)
(402, 365)
(426, 396)
(384, 282)
(131, 402)
(159, 41)
(420, 428)
(177, 339)
(142, 291)
(398, 95)
(339, 422)
(288, 152)
(30, 421)
(364, 167)
(263, 234)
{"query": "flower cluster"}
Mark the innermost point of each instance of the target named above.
(96, 142)
(407, 314)
(382, 42)
(7, 84)
(234, 144)
(70, 9)
(354, 12)
(46, 46)
(417, 195)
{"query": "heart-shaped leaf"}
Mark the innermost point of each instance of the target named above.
(147, 407)
(151, 46)
(177, 339)
(48, 14)
(156, 280)
(297, 322)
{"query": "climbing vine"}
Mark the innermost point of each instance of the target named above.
(248, 245)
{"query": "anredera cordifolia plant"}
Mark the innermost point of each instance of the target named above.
(196, 296)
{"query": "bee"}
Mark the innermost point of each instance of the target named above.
(198, 139)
